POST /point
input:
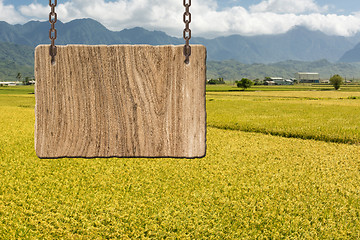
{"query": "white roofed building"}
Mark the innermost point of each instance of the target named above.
(307, 77)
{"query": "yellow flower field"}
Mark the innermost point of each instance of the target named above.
(249, 186)
(327, 116)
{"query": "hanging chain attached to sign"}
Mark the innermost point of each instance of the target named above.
(187, 31)
(53, 32)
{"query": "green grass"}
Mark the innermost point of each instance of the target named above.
(249, 185)
(298, 87)
(326, 116)
(16, 90)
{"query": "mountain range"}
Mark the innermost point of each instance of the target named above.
(298, 44)
(233, 70)
(352, 55)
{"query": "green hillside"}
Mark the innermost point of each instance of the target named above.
(18, 58)
(14, 59)
(352, 55)
(233, 70)
(298, 43)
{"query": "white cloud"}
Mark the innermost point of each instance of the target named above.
(332, 24)
(35, 11)
(9, 14)
(288, 6)
(268, 17)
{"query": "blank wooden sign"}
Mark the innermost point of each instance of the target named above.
(120, 101)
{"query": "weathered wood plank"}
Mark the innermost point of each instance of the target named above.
(120, 101)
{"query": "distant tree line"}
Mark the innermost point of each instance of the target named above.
(26, 80)
(216, 81)
(245, 83)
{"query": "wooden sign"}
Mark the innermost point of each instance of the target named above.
(120, 101)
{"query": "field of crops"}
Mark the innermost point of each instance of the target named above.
(299, 87)
(326, 116)
(250, 185)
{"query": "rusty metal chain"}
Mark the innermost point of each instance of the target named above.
(187, 31)
(53, 31)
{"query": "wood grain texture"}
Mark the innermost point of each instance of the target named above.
(120, 101)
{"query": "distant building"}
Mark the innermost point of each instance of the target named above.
(307, 77)
(8, 83)
(326, 81)
(288, 82)
(269, 83)
(279, 81)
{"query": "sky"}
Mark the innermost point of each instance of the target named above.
(210, 18)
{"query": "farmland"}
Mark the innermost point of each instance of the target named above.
(326, 116)
(281, 163)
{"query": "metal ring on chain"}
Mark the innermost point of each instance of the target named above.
(51, 4)
(51, 36)
(187, 3)
(187, 31)
(53, 31)
(187, 20)
(51, 20)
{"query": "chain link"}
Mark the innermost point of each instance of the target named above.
(187, 31)
(53, 31)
